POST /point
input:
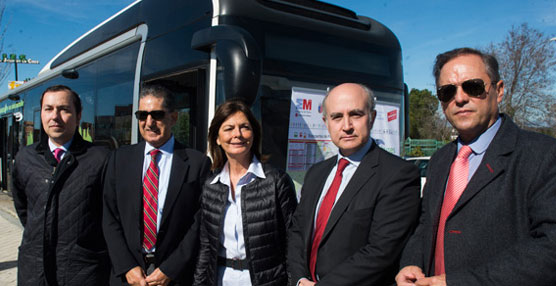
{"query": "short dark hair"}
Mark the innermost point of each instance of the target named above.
(75, 97)
(222, 113)
(159, 91)
(489, 60)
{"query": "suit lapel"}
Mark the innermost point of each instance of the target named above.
(316, 190)
(493, 163)
(365, 171)
(179, 169)
(136, 189)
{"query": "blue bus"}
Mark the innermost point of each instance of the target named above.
(278, 55)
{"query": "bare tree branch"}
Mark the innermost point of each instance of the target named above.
(528, 67)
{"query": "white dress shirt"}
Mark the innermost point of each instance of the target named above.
(164, 162)
(232, 239)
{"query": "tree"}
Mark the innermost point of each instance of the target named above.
(422, 108)
(426, 120)
(527, 61)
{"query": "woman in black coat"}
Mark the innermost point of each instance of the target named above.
(246, 206)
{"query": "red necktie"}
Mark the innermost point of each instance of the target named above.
(457, 181)
(58, 152)
(324, 213)
(150, 202)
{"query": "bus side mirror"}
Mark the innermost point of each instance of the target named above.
(238, 54)
(70, 73)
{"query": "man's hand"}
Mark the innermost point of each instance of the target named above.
(409, 275)
(306, 282)
(432, 281)
(158, 278)
(136, 277)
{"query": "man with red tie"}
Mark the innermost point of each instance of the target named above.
(151, 200)
(488, 215)
(358, 208)
(57, 191)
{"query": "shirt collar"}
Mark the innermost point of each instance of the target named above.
(255, 168)
(357, 157)
(65, 147)
(167, 148)
(480, 144)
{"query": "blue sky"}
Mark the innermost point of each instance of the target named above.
(42, 28)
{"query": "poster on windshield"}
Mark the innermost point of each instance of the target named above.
(308, 139)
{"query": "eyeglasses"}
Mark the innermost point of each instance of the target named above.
(155, 114)
(473, 87)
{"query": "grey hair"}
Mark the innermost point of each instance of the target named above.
(368, 92)
(159, 91)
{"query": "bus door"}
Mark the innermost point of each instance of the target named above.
(189, 88)
(3, 153)
(9, 145)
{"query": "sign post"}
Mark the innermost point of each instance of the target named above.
(22, 59)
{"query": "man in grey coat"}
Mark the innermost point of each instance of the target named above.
(488, 214)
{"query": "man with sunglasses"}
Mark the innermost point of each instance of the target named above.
(488, 211)
(151, 200)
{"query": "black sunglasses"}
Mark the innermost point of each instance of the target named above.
(473, 87)
(155, 114)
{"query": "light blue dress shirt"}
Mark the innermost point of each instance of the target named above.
(232, 239)
(479, 146)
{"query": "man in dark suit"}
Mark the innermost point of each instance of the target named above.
(151, 199)
(358, 208)
(496, 224)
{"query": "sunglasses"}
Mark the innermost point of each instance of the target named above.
(155, 114)
(473, 87)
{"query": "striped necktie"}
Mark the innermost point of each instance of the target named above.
(150, 202)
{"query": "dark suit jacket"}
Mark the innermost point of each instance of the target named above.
(502, 231)
(177, 239)
(368, 226)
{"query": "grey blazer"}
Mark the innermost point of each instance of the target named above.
(502, 231)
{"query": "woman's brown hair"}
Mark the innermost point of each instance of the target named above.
(222, 113)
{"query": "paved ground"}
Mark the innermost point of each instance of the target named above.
(10, 237)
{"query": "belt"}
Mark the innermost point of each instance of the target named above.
(237, 264)
(149, 258)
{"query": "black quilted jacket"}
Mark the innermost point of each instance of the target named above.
(60, 207)
(267, 207)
